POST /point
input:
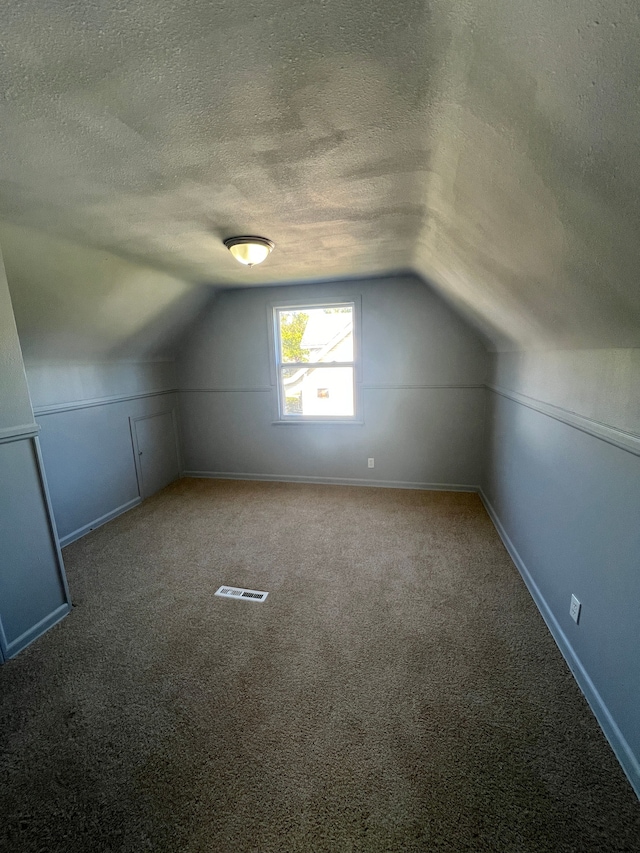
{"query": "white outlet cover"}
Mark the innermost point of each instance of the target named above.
(574, 609)
(370, 462)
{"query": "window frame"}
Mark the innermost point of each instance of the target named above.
(280, 417)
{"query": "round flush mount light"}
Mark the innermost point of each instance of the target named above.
(249, 250)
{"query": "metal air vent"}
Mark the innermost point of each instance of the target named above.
(241, 593)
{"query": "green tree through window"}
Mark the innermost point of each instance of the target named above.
(292, 328)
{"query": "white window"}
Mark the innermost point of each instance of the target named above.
(316, 350)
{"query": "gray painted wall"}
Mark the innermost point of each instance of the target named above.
(78, 303)
(562, 480)
(96, 331)
(33, 593)
(56, 383)
(599, 384)
(422, 372)
(15, 407)
(84, 412)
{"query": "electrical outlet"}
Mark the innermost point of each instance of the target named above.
(574, 609)
(370, 462)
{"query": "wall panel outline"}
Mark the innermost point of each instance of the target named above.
(9, 649)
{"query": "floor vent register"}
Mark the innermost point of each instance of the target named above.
(240, 593)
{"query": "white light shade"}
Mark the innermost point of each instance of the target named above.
(249, 250)
(249, 253)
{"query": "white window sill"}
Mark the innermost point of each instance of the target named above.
(318, 422)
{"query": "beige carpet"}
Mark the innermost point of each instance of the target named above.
(397, 691)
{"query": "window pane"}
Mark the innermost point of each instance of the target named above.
(320, 392)
(292, 328)
(316, 334)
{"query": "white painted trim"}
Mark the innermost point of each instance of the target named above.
(621, 748)
(237, 390)
(628, 441)
(332, 481)
(136, 455)
(325, 422)
(98, 522)
(40, 411)
(275, 365)
(364, 387)
(36, 630)
(51, 517)
(17, 433)
(444, 385)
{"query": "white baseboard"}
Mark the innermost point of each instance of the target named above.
(98, 522)
(36, 631)
(623, 752)
(331, 481)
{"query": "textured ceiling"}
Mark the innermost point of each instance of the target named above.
(493, 147)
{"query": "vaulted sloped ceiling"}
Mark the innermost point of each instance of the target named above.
(493, 147)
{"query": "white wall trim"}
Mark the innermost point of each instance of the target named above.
(51, 517)
(36, 631)
(226, 390)
(40, 411)
(364, 386)
(332, 481)
(442, 385)
(621, 748)
(628, 441)
(98, 522)
(17, 433)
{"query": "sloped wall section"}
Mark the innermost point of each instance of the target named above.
(97, 332)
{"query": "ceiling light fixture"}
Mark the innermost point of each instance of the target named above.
(249, 250)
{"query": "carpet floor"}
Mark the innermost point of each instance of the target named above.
(397, 690)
